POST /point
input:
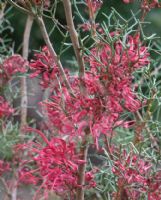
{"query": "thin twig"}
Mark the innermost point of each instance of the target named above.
(5, 187)
(19, 7)
(92, 18)
(25, 51)
(14, 190)
(153, 140)
(53, 53)
(82, 168)
(26, 36)
(23, 122)
(84, 148)
(2, 11)
(74, 37)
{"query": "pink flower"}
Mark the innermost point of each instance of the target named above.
(154, 186)
(13, 65)
(94, 5)
(5, 109)
(46, 3)
(128, 1)
(132, 171)
(87, 27)
(4, 167)
(146, 4)
(26, 176)
(124, 61)
(55, 165)
(45, 66)
(109, 90)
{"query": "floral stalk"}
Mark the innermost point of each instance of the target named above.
(14, 4)
(74, 36)
(82, 168)
(92, 17)
(8, 193)
(14, 190)
(93, 7)
(2, 11)
(53, 53)
(25, 50)
(23, 120)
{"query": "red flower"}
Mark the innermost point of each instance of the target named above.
(46, 3)
(146, 4)
(56, 165)
(4, 167)
(132, 172)
(94, 5)
(128, 1)
(154, 186)
(27, 177)
(45, 66)
(108, 89)
(11, 66)
(5, 109)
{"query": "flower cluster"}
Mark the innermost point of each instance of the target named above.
(87, 26)
(4, 167)
(146, 4)
(5, 109)
(87, 108)
(45, 3)
(11, 66)
(132, 173)
(94, 5)
(100, 98)
(154, 185)
(108, 91)
(56, 165)
(128, 1)
(115, 70)
(45, 66)
(134, 177)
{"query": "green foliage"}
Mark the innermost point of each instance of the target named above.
(5, 30)
(9, 136)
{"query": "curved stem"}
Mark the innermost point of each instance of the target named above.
(92, 18)
(74, 37)
(14, 190)
(25, 51)
(5, 187)
(53, 53)
(82, 168)
(30, 129)
(19, 7)
(26, 36)
(2, 11)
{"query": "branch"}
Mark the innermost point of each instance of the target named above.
(82, 169)
(153, 140)
(5, 187)
(53, 53)
(74, 37)
(26, 36)
(19, 7)
(92, 18)
(14, 189)
(2, 10)
(25, 51)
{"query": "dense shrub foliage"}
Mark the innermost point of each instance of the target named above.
(99, 134)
